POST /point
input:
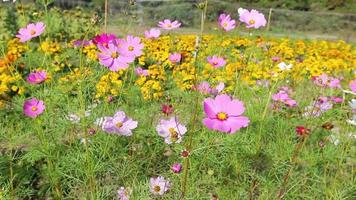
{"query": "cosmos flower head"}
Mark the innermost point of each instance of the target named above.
(224, 114)
(37, 77)
(119, 124)
(176, 168)
(33, 107)
(175, 57)
(302, 131)
(167, 24)
(318, 107)
(204, 88)
(141, 72)
(226, 23)
(283, 66)
(352, 86)
(31, 31)
(326, 81)
(283, 97)
(216, 61)
(112, 58)
(159, 185)
(131, 47)
(81, 43)
(153, 33)
(171, 130)
(123, 194)
(103, 39)
(253, 19)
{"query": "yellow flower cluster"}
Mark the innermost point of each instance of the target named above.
(8, 75)
(248, 59)
(109, 85)
(48, 47)
(91, 52)
(72, 80)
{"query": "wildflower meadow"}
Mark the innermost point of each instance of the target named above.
(228, 111)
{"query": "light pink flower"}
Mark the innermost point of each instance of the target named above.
(31, 31)
(119, 124)
(226, 23)
(326, 81)
(253, 19)
(167, 24)
(111, 57)
(174, 57)
(318, 107)
(171, 130)
(123, 194)
(224, 114)
(37, 77)
(153, 33)
(131, 47)
(204, 88)
(352, 86)
(216, 61)
(176, 168)
(283, 97)
(159, 185)
(33, 107)
(241, 11)
(141, 72)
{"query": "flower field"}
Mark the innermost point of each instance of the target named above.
(91, 114)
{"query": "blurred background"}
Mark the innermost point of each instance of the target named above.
(326, 19)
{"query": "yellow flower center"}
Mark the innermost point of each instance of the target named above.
(114, 55)
(221, 116)
(251, 22)
(169, 25)
(156, 188)
(174, 134)
(119, 124)
(34, 108)
(32, 32)
(225, 24)
(215, 63)
(131, 48)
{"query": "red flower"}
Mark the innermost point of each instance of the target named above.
(167, 109)
(302, 131)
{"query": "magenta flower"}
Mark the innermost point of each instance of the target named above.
(104, 39)
(224, 114)
(352, 86)
(123, 194)
(31, 31)
(283, 97)
(37, 77)
(131, 47)
(171, 130)
(111, 57)
(253, 19)
(226, 23)
(216, 61)
(33, 107)
(326, 81)
(159, 185)
(336, 99)
(167, 24)
(176, 168)
(119, 124)
(141, 72)
(174, 57)
(153, 33)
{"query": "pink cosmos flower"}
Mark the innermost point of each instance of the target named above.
(283, 97)
(226, 23)
(80, 43)
(159, 185)
(176, 167)
(241, 11)
(153, 33)
(171, 130)
(119, 124)
(216, 61)
(37, 77)
(33, 107)
(174, 57)
(204, 88)
(336, 99)
(167, 24)
(141, 72)
(104, 39)
(326, 81)
(111, 57)
(318, 107)
(122, 194)
(352, 86)
(253, 19)
(131, 47)
(276, 59)
(31, 31)
(224, 114)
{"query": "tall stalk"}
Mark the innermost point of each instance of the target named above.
(193, 121)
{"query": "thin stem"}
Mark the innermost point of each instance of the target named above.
(106, 16)
(269, 19)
